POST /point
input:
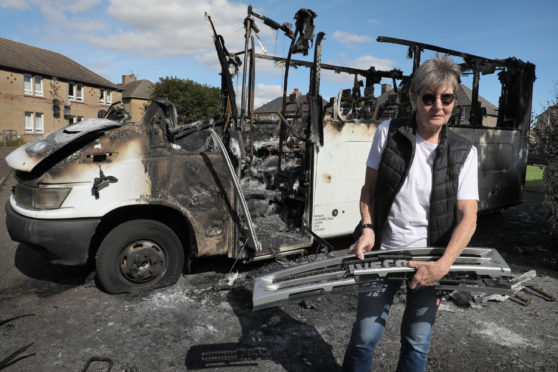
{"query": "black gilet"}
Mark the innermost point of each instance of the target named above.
(394, 167)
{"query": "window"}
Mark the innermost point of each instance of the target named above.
(74, 119)
(34, 122)
(39, 123)
(79, 92)
(32, 85)
(38, 85)
(71, 91)
(28, 122)
(75, 91)
(105, 96)
(27, 88)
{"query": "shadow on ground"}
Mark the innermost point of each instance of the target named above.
(269, 334)
(49, 279)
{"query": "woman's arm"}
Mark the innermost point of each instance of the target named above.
(365, 243)
(428, 273)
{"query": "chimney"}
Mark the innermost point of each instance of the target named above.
(128, 79)
(386, 88)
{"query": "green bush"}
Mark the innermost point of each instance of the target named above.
(550, 180)
(193, 101)
(546, 130)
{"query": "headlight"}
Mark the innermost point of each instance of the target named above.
(40, 197)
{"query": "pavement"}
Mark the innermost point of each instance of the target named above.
(5, 170)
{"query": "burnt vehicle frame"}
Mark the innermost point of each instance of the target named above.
(232, 184)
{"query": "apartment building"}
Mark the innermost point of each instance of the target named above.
(41, 91)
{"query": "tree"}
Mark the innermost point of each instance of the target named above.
(193, 101)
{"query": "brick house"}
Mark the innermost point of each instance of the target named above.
(41, 91)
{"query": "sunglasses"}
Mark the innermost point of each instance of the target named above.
(447, 99)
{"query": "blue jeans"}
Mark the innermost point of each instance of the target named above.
(416, 326)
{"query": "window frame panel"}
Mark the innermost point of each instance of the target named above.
(39, 122)
(71, 91)
(28, 84)
(28, 126)
(79, 92)
(38, 92)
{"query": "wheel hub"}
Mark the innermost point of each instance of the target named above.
(143, 261)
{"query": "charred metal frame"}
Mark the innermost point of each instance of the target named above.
(512, 71)
(300, 39)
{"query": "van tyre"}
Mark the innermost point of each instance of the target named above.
(138, 256)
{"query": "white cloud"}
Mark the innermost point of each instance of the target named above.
(67, 17)
(268, 92)
(171, 28)
(13, 4)
(142, 27)
(163, 28)
(78, 6)
(57, 10)
(209, 60)
(269, 68)
(348, 38)
(365, 62)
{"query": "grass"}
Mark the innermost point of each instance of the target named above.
(533, 179)
(13, 143)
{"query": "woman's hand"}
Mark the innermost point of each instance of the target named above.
(428, 273)
(364, 244)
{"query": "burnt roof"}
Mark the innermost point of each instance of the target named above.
(27, 58)
(138, 89)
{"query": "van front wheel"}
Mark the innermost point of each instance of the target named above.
(138, 256)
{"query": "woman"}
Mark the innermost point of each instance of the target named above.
(420, 190)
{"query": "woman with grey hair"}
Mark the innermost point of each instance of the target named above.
(420, 190)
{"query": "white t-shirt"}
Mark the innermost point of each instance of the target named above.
(407, 223)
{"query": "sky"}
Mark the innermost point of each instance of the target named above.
(163, 38)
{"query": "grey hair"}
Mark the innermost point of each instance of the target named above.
(434, 74)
